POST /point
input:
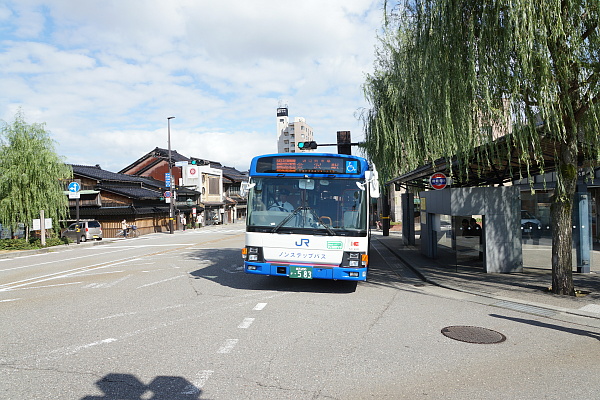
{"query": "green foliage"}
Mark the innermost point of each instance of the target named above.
(31, 174)
(23, 244)
(450, 75)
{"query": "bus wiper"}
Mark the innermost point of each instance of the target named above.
(327, 227)
(286, 219)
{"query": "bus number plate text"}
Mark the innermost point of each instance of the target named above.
(301, 272)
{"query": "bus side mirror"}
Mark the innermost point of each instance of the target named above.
(245, 188)
(373, 179)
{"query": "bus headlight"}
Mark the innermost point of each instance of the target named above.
(354, 259)
(252, 253)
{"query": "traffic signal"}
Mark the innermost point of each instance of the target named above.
(344, 144)
(307, 145)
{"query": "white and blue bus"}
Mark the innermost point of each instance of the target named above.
(308, 216)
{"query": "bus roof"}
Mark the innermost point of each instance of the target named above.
(309, 165)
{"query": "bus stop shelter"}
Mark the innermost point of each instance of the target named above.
(487, 193)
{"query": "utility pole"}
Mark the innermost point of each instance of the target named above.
(171, 186)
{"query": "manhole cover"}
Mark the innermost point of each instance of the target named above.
(473, 334)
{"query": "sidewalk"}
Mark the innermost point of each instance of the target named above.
(528, 288)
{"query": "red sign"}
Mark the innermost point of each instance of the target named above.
(192, 171)
(438, 181)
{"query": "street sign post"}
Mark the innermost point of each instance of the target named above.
(74, 188)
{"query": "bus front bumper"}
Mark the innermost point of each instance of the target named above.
(316, 272)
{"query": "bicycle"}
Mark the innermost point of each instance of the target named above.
(131, 231)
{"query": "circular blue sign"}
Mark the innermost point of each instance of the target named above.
(74, 187)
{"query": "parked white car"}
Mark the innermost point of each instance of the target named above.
(86, 230)
(530, 224)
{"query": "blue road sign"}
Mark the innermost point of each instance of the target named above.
(74, 187)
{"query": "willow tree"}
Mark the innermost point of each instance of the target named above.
(32, 175)
(446, 69)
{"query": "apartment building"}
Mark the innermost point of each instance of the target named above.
(289, 134)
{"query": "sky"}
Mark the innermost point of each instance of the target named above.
(104, 75)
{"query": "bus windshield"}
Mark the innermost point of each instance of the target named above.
(307, 205)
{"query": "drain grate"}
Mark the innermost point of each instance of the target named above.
(473, 334)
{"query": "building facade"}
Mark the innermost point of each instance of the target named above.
(213, 181)
(289, 134)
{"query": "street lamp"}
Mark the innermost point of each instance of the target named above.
(171, 186)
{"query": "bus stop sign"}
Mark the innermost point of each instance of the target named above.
(438, 181)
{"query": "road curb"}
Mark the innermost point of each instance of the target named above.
(52, 249)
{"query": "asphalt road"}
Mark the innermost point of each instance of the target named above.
(174, 317)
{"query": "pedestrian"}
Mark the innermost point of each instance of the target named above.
(183, 221)
(475, 227)
(124, 227)
(466, 228)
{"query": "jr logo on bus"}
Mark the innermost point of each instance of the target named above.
(303, 242)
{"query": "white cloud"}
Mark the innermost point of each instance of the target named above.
(104, 75)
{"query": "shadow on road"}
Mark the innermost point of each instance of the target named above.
(574, 331)
(225, 267)
(129, 387)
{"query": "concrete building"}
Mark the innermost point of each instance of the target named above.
(289, 134)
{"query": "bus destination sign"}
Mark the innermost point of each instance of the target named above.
(308, 165)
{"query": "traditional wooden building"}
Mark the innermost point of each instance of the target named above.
(219, 186)
(110, 197)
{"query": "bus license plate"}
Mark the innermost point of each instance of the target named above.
(301, 272)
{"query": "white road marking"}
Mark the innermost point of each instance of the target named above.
(259, 306)
(63, 274)
(194, 389)
(228, 346)
(47, 262)
(66, 351)
(246, 323)
(111, 284)
(164, 280)
(103, 273)
(117, 316)
(7, 300)
(38, 287)
(75, 349)
(595, 308)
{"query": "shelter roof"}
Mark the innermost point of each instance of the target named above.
(483, 171)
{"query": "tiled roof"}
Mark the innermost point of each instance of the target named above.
(95, 172)
(105, 177)
(234, 174)
(132, 192)
(159, 155)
